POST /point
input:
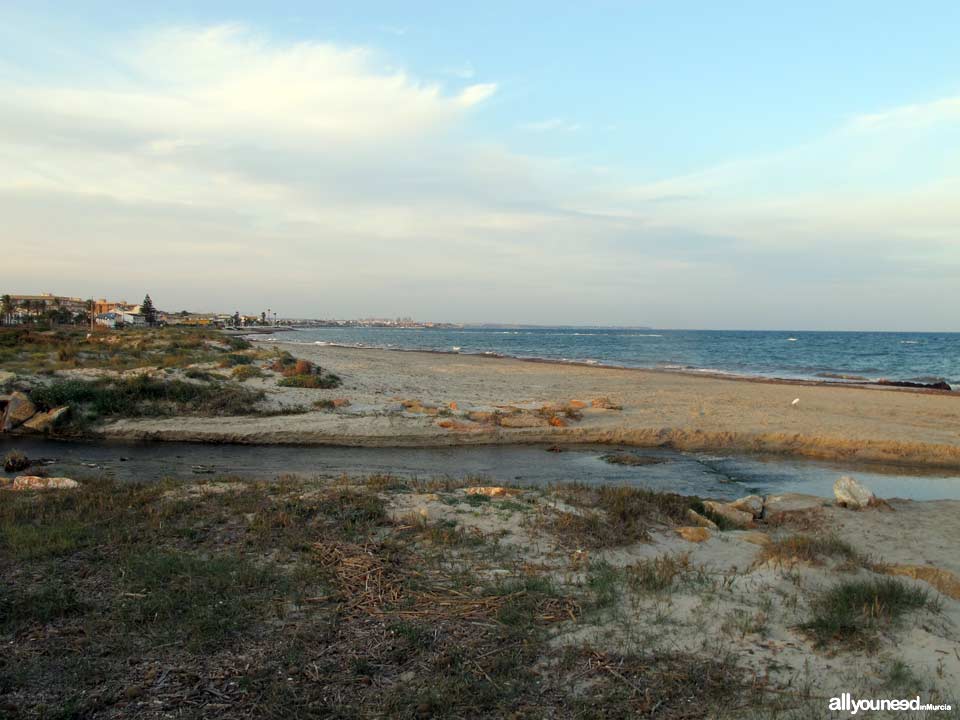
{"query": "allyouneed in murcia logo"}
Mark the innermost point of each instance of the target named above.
(848, 703)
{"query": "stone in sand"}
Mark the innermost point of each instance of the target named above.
(693, 534)
(34, 482)
(19, 410)
(700, 521)
(494, 491)
(851, 494)
(752, 504)
(729, 513)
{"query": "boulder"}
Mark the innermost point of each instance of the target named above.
(701, 521)
(44, 422)
(558, 421)
(752, 504)
(19, 410)
(729, 513)
(851, 494)
(693, 534)
(494, 491)
(34, 482)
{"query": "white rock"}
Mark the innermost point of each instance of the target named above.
(752, 504)
(35, 482)
(851, 494)
(736, 517)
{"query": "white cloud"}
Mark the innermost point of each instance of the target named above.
(912, 117)
(219, 168)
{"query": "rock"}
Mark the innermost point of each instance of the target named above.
(577, 404)
(752, 504)
(729, 513)
(34, 482)
(557, 422)
(44, 422)
(459, 426)
(701, 521)
(775, 506)
(605, 403)
(340, 402)
(851, 494)
(494, 491)
(693, 534)
(19, 410)
(482, 416)
(555, 449)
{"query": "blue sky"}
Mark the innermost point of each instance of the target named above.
(676, 164)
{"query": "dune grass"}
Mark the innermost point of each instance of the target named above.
(853, 611)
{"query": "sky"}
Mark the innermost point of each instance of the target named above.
(747, 165)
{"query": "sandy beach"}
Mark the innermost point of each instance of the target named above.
(430, 399)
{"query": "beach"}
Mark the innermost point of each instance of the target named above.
(423, 399)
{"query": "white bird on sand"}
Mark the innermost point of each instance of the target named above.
(795, 402)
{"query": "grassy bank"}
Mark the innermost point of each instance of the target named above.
(372, 597)
(293, 600)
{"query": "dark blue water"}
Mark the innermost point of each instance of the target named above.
(915, 357)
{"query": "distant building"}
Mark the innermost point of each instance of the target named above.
(133, 317)
(109, 319)
(39, 304)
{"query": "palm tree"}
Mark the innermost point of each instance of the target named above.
(6, 308)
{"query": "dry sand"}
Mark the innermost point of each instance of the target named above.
(658, 408)
(730, 601)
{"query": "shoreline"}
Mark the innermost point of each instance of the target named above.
(882, 383)
(683, 411)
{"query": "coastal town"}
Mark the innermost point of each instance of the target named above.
(48, 308)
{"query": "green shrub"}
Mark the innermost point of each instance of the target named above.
(245, 372)
(145, 396)
(855, 609)
(324, 382)
(233, 359)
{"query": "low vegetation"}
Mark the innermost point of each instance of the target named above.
(813, 549)
(608, 516)
(309, 599)
(853, 611)
(142, 396)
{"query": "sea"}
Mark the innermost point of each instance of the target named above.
(834, 356)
